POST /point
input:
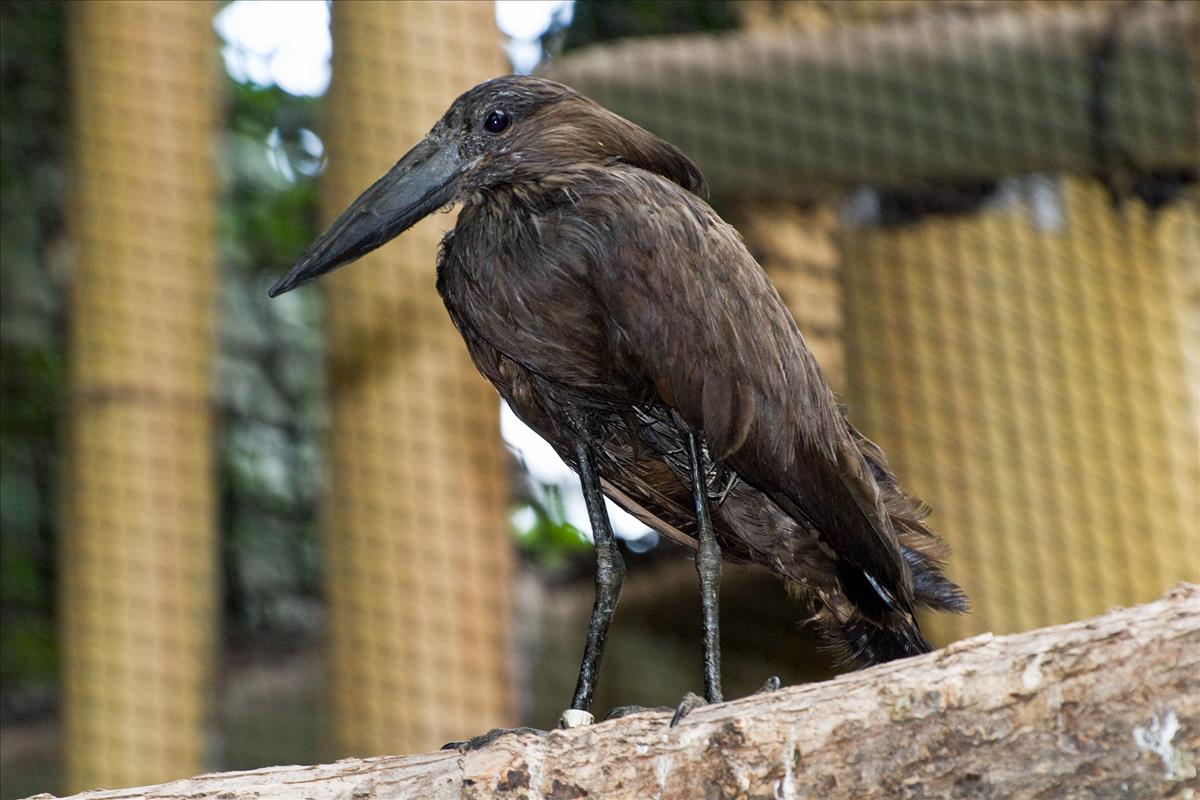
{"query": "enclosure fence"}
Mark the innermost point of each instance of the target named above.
(1017, 259)
(418, 553)
(984, 216)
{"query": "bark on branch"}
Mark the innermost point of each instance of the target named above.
(1106, 707)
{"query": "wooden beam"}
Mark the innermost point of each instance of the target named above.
(1106, 707)
(935, 97)
(418, 558)
(137, 569)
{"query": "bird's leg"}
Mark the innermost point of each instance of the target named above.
(708, 565)
(610, 573)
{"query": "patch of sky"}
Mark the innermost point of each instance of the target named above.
(284, 43)
(524, 22)
(545, 469)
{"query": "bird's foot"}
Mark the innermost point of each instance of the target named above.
(484, 739)
(692, 701)
(771, 684)
(625, 711)
(687, 705)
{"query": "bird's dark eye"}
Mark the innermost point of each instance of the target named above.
(496, 121)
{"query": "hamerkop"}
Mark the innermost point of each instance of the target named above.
(625, 322)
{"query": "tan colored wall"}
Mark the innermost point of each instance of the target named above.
(1031, 385)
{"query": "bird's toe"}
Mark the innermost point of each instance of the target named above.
(625, 711)
(484, 739)
(690, 702)
(770, 685)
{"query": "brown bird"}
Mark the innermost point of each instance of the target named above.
(626, 322)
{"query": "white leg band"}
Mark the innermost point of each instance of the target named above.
(574, 718)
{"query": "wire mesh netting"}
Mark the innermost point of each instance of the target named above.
(1017, 257)
(1030, 376)
(985, 217)
(137, 609)
(418, 560)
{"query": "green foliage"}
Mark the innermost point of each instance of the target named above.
(33, 130)
(27, 485)
(548, 539)
(604, 20)
(261, 206)
(270, 384)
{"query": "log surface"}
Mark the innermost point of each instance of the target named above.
(1105, 707)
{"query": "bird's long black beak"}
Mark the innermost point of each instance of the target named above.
(421, 182)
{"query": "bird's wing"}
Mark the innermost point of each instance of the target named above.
(710, 333)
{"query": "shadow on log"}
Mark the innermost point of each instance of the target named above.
(1105, 707)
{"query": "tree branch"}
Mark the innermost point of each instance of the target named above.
(1106, 707)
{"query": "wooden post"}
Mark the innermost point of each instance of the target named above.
(418, 553)
(137, 584)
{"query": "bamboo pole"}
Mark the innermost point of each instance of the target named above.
(137, 559)
(418, 554)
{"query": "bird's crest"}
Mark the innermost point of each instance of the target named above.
(566, 128)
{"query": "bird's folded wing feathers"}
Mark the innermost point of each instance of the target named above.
(712, 335)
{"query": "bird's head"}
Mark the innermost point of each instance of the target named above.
(503, 131)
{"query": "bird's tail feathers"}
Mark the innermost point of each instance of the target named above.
(861, 642)
(923, 551)
(932, 589)
(856, 640)
(864, 636)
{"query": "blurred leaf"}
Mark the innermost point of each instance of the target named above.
(33, 131)
(271, 368)
(550, 540)
(603, 20)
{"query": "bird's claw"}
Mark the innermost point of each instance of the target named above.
(625, 711)
(687, 705)
(484, 739)
(770, 685)
(690, 702)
